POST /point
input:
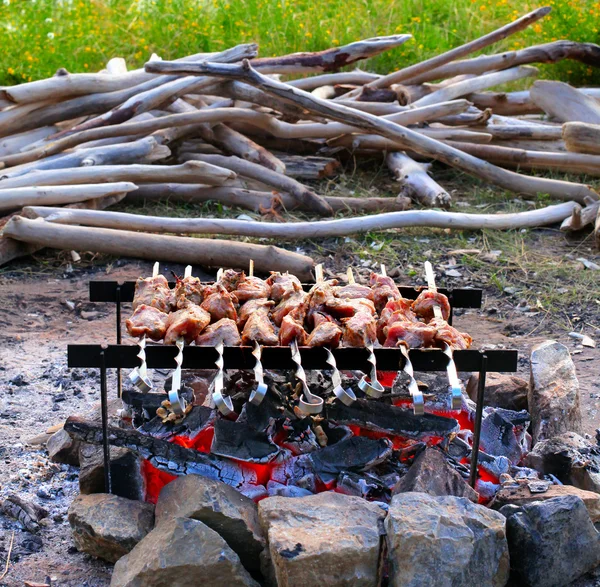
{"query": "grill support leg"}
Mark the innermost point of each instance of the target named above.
(118, 300)
(104, 410)
(478, 418)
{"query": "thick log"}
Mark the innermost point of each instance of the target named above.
(582, 217)
(300, 192)
(13, 199)
(200, 251)
(473, 117)
(419, 143)
(485, 41)
(523, 132)
(290, 230)
(416, 182)
(581, 137)
(476, 84)
(565, 103)
(15, 143)
(190, 172)
(356, 77)
(305, 168)
(260, 201)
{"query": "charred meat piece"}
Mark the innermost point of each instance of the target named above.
(291, 329)
(259, 329)
(384, 289)
(295, 304)
(188, 322)
(283, 285)
(220, 304)
(230, 279)
(188, 289)
(326, 333)
(153, 291)
(394, 311)
(347, 308)
(149, 321)
(252, 288)
(252, 307)
(225, 331)
(423, 305)
(354, 291)
(359, 330)
(448, 334)
(414, 334)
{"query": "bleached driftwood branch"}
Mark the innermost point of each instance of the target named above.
(581, 137)
(565, 103)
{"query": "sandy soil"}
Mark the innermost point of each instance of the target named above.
(43, 313)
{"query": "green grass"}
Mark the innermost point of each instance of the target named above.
(39, 36)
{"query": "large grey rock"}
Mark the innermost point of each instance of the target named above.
(181, 552)
(220, 507)
(445, 542)
(326, 539)
(521, 494)
(431, 473)
(63, 449)
(109, 526)
(571, 458)
(125, 467)
(551, 543)
(553, 397)
(501, 391)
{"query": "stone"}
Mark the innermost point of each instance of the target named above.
(570, 458)
(504, 433)
(445, 541)
(63, 449)
(554, 398)
(326, 539)
(521, 494)
(108, 526)
(181, 552)
(501, 391)
(219, 506)
(125, 467)
(551, 543)
(431, 473)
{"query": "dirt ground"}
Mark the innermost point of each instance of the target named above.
(45, 307)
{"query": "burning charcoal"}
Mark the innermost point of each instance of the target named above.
(492, 464)
(253, 492)
(458, 448)
(142, 406)
(503, 433)
(384, 418)
(26, 512)
(365, 486)
(301, 441)
(354, 454)
(275, 488)
(197, 420)
(264, 416)
(293, 470)
(239, 441)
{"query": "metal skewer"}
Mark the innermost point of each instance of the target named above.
(346, 396)
(413, 388)
(453, 380)
(139, 376)
(309, 403)
(258, 394)
(223, 402)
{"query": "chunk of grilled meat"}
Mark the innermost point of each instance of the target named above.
(225, 331)
(414, 334)
(149, 321)
(353, 291)
(252, 288)
(296, 304)
(359, 330)
(188, 289)
(220, 304)
(448, 334)
(347, 308)
(230, 279)
(283, 285)
(291, 329)
(423, 305)
(251, 307)
(188, 322)
(394, 311)
(326, 333)
(384, 289)
(260, 329)
(155, 292)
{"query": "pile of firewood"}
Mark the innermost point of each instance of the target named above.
(225, 127)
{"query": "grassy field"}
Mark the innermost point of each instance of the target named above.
(39, 36)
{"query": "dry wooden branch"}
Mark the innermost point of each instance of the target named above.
(581, 137)
(565, 103)
(356, 77)
(419, 143)
(16, 198)
(416, 182)
(476, 84)
(309, 168)
(208, 252)
(191, 172)
(14, 143)
(523, 132)
(291, 230)
(581, 217)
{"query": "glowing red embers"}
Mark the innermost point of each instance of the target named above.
(155, 480)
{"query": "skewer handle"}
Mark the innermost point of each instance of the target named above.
(309, 403)
(188, 271)
(155, 269)
(319, 273)
(346, 396)
(251, 268)
(222, 402)
(413, 388)
(350, 275)
(219, 274)
(257, 395)
(177, 404)
(431, 286)
(373, 387)
(453, 380)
